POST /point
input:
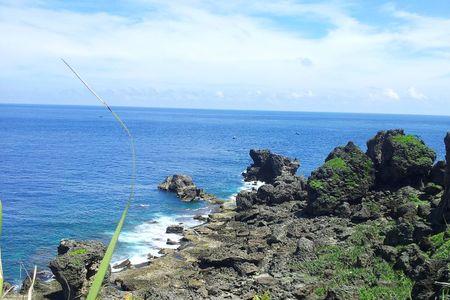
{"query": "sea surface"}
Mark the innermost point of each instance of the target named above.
(65, 170)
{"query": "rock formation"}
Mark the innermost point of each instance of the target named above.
(75, 266)
(185, 189)
(400, 159)
(441, 215)
(267, 166)
(346, 177)
(363, 226)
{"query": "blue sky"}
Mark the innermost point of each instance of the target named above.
(352, 56)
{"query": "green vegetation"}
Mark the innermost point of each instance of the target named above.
(441, 243)
(336, 164)
(316, 184)
(350, 266)
(104, 265)
(262, 296)
(78, 251)
(1, 267)
(416, 200)
(409, 140)
(414, 150)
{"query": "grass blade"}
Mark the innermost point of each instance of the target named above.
(1, 266)
(33, 280)
(105, 263)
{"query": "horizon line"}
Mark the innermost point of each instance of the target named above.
(230, 109)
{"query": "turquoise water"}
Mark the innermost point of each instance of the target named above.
(65, 169)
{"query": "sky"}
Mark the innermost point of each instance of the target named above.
(336, 56)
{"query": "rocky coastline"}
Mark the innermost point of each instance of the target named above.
(364, 225)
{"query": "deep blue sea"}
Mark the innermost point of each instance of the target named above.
(65, 170)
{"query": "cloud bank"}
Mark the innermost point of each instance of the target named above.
(280, 55)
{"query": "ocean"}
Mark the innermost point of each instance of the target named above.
(65, 170)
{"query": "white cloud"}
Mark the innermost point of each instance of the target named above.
(415, 94)
(391, 94)
(200, 48)
(220, 94)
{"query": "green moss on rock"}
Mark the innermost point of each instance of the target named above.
(341, 268)
(80, 251)
(346, 175)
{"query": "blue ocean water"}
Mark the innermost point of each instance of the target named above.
(65, 170)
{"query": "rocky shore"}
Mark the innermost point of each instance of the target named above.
(364, 225)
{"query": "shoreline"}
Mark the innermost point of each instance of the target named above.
(141, 259)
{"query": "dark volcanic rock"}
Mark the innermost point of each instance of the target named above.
(267, 166)
(42, 288)
(184, 188)
(437, 174)
(346, 176)
(75, 266)
(441, 215)
(175, 229)
(400, 159)
(284, 188)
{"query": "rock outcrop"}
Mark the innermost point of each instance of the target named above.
(284, 188)
(75, 266)
(267, 166)
(441, 215)
(185, 189)
(346, 177)
(400, 159)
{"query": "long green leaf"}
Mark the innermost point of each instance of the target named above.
(1, 267)
(105, 264)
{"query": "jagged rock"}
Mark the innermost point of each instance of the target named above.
(267, 166)
(426, 278)
(245, 200)
(400, 159)
(284, 188)
(305, 249)
(171, 242)
(178, 229)
(346, 176)
(227, 258)
(437, 174)
(43, 287)
(441, 215)
(388, 253)
(185, 188)
(125, 264)
(423, 271)
(75, 266)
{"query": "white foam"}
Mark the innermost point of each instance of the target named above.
(150, 237)
(247, 186)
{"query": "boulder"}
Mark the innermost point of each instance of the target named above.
(75, 266)
(178, 229)
(400, 159)
(182, 185)
(346, 176)
(285, 188)
(267, 166)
